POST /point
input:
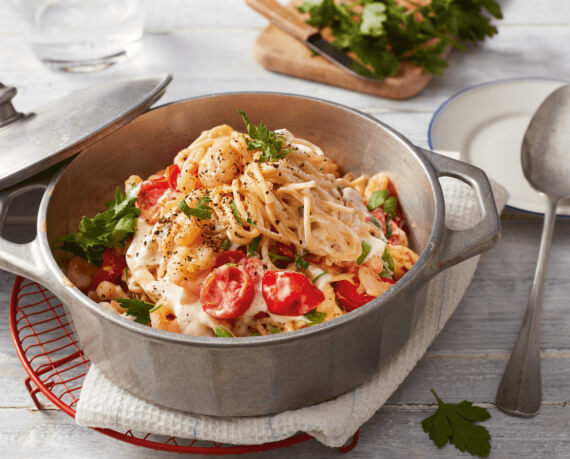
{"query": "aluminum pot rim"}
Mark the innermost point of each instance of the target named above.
(72, 293)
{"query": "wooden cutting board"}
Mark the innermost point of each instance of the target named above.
(279, 52)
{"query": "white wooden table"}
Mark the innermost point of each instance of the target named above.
(207, 47)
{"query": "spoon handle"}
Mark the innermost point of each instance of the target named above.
(520, 391)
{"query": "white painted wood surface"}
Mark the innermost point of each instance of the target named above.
(206, 45)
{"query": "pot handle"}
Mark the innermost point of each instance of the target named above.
(23, 259)
(460, 245)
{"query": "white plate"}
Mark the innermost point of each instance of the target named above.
(486, 124)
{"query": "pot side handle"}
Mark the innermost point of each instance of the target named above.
(23, 259)
(460, 245)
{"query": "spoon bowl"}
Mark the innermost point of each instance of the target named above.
(545, 150)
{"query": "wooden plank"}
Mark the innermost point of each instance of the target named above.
(165, 16)
(188, 55)
(489, 317)
(395, 432)
(476, 377)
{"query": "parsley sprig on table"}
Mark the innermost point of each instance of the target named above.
(269, 142)
(107, 229)
(455, 423)
(382, 33)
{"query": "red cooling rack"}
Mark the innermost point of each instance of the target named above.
(56, 366)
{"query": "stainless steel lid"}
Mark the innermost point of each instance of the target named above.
(31, 143)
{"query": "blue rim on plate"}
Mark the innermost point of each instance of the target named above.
(489, 83)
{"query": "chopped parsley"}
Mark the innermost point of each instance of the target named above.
(140, 310)
(107, 229)
(388, 228)
(249, 221)
(274, 330)
(201, 211)
(318, 276)
(221, 332)
(253, 246)
(383, 33)
(226, 245)
(301, 263)
(377, 198)
(314, 317)
(375, 222)
(156, 308)
(390, 205)
(388, 270)
(274, 257)
(455, 423)
(262, 138)
(380, 198)
(366, 248)
(235, 210)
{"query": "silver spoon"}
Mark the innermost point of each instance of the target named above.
(545, 157)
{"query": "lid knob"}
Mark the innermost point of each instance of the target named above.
(8, 113)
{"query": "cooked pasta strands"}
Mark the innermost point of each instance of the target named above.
(289, 210)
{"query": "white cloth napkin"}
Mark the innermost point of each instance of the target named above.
(103, 404)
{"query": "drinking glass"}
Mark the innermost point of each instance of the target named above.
(83, 35)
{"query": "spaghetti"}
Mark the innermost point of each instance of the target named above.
(248, 234)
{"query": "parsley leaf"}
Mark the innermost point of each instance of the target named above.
(318, 276)
(235, 210)
(274, 330)
(373, 17)
(315, 317)
(301, 263)
(262, 138)
(107, 229)
(375, 222)
(201, 211)
(455, 423)
(377, 198)
(221, 332)
(252, 246)
(226, 245)
(390, 205)
(140, 310)
(388, 270)
(366, 248)
(388, 227)
(276, 257)
(382, 34)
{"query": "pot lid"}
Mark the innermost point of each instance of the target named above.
(31, 143)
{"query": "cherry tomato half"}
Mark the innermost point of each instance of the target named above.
(288, 293)
(349, 297)
(111, 268)
(227, 292)
(171, 175)
(230, 256)
(150, 192)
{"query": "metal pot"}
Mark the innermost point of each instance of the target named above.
(255, 375)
